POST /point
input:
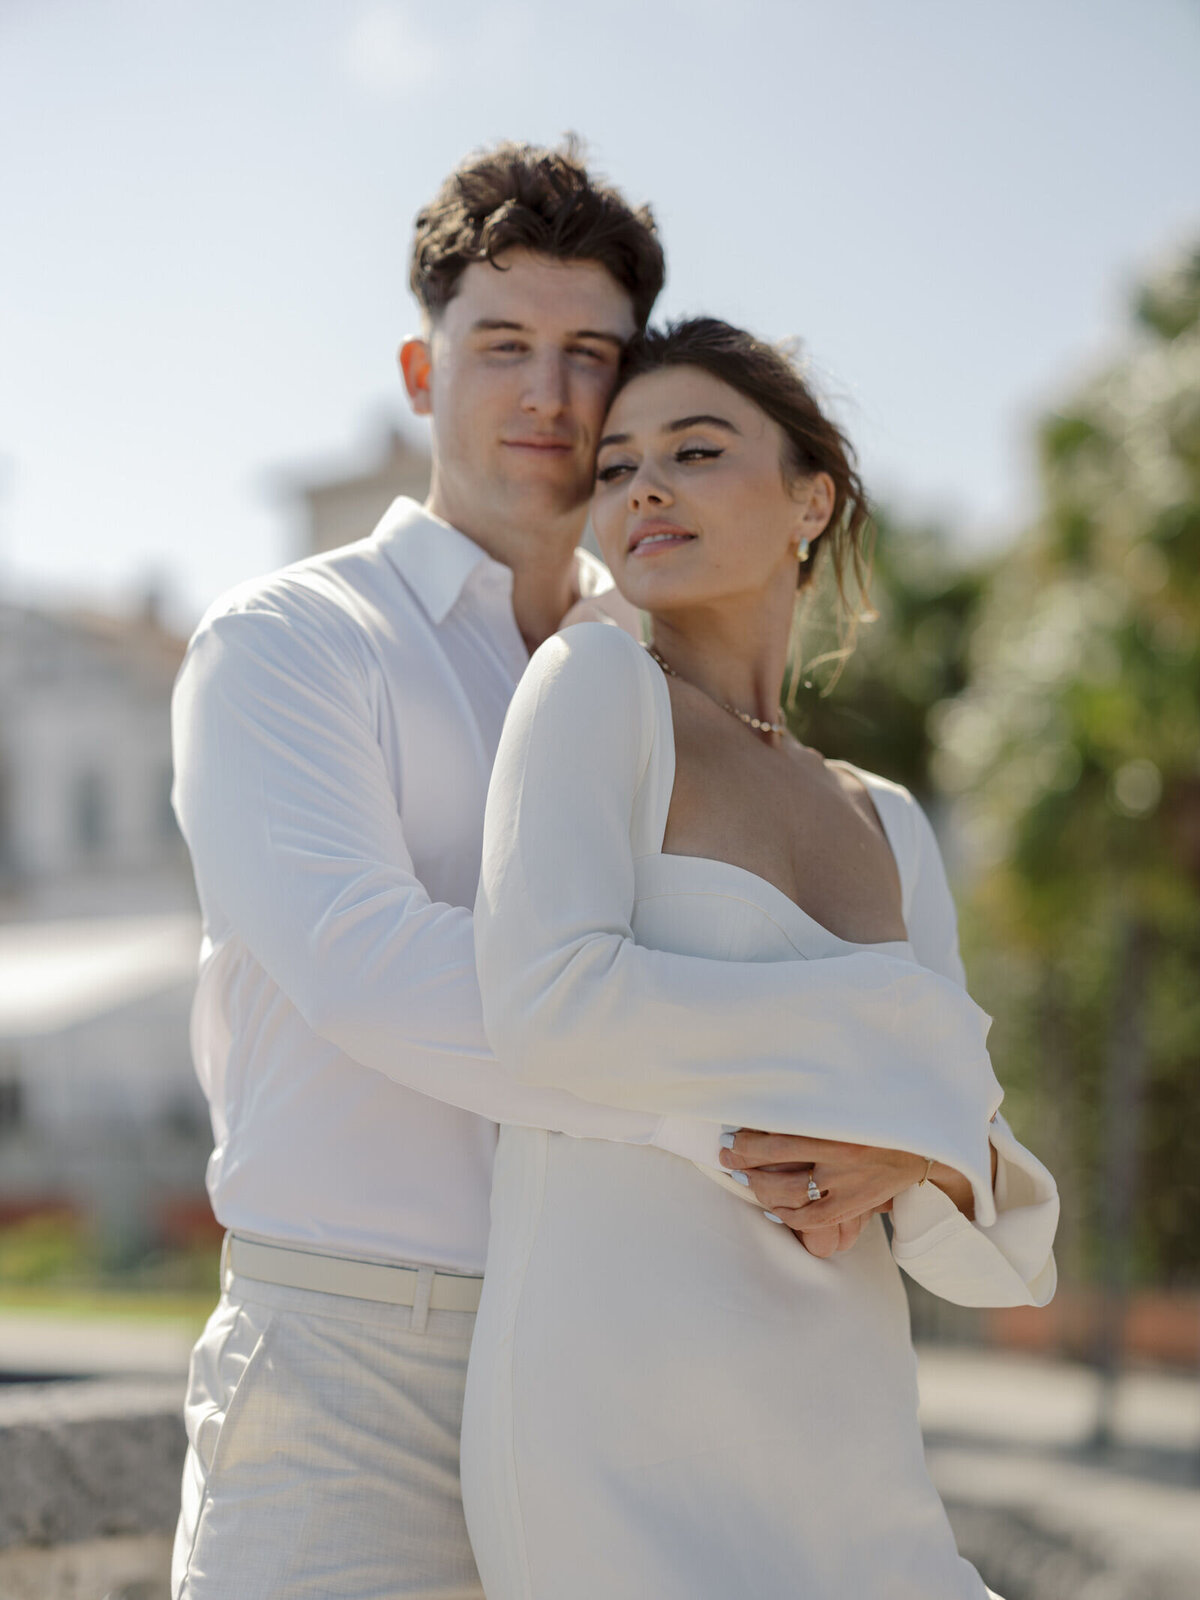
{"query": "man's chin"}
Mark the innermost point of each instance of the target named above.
(548, 497)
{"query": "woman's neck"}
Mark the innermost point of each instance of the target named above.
(736, 653)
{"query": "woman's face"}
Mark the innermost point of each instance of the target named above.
(691, 506)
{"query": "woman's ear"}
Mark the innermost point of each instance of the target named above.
(416, 368)
(816, 507)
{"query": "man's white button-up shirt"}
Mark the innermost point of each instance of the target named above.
(334, 727)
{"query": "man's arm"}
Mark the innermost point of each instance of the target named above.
(283, 797)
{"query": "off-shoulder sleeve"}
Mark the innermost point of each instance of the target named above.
(1007, 1260)
(862, 1047)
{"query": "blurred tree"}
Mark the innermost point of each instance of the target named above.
(1075, 748)
(910, 656)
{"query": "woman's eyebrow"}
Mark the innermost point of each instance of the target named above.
(679, 426)
(684, 423)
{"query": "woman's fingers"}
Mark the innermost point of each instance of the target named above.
(774, 1189)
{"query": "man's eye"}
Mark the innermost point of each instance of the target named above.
(506, 347)
(587, 350)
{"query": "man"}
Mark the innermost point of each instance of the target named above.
(334, 731)
(335, 725)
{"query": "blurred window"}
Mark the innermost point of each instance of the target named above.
(90, 812)
(8, 844)
(12, 1105)
(168, 827)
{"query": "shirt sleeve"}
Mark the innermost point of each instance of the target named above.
(1005, 1261)
(863, 1047)
(284, 799)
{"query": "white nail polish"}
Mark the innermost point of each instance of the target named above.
(738, 1177)
(727, 1140)
(771, 1217)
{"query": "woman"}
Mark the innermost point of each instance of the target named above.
(684, 910)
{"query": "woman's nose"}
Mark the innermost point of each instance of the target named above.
(646, 488)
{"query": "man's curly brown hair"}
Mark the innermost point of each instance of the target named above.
(539, 199)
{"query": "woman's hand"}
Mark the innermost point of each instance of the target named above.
(855, 1181)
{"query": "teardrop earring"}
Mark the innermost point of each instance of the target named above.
(803, 551)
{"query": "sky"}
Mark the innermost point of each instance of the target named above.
(207, 206)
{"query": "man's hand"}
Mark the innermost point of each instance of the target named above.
(611, 606)
(855, 1181)
(830, 1241)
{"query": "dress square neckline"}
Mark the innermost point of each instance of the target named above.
(781, 899)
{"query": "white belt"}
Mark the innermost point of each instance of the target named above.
(292, 1268)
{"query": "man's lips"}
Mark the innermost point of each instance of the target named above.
(543, 443)
(658, 535)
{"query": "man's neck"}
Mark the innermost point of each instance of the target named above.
(541, 559)
(543, 592)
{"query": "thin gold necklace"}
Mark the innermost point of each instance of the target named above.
(759, 724)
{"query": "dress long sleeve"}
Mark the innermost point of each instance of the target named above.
(863, 1047)
(1006, 1262)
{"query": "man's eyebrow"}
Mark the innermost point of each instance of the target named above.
(597, 333)
(500, 324)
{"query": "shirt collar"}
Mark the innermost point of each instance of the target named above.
(436, 560)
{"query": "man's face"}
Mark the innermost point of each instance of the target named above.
(515, 376)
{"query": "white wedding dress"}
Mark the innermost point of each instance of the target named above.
(668, 1398)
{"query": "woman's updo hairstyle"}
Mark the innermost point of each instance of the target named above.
(768, 379)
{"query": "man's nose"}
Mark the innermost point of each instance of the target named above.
(546, 387)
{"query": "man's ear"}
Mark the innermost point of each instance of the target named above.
(417, 369)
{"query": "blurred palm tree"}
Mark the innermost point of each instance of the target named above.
(1075, 749)
(1052, 696)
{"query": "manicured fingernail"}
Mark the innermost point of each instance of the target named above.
(771, 1217)
(727, 1140)
(741, 1177)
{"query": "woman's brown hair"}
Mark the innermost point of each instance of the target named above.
(765, 376)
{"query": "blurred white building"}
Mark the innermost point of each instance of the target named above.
(345, 506)
(100, 1111)
(85, 765)
(99, 1108)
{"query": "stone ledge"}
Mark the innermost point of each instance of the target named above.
(89, 1460)
(128, 1567)
(89, 1492)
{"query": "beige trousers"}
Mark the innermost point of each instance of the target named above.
(323, 1452)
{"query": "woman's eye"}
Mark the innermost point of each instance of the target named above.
(698, 452)
(614, 470)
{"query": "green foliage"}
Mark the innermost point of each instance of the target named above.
(909, 658)
(1049, 702)
(1074, 751)
(41, 1249)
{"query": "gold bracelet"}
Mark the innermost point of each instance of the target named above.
(928, 1170)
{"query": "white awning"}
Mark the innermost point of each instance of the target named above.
(56, 975)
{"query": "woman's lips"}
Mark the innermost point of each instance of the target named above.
(649, 537)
